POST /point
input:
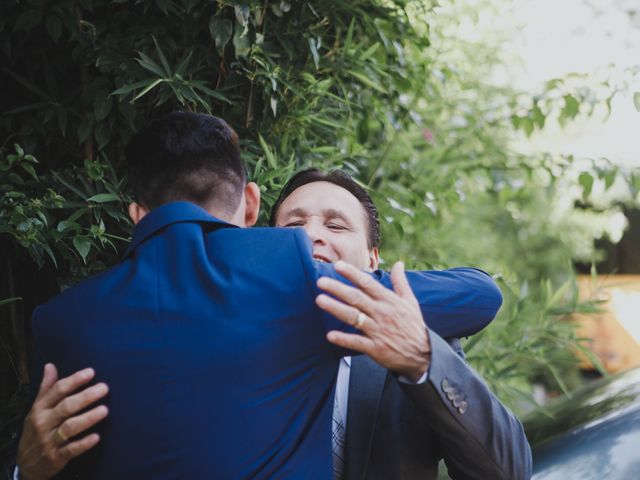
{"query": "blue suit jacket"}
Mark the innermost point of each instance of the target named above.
(214, 350)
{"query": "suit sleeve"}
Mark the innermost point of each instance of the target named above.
(479, 436)
(454, 303)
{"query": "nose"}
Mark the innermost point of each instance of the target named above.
(315, 232)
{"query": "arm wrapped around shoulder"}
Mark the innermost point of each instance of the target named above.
(455, 303)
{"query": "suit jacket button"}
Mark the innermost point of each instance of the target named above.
(463, 407)
(451, 394)
(458, 401)
(445, 385)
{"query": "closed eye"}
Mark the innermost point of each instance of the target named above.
(336, 226)
(297, 223)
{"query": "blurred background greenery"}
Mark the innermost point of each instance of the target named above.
(392, 91)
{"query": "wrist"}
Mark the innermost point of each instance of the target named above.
(421, 361)
(21, 474)
(415, 374)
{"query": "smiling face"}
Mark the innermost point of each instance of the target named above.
(334, 220)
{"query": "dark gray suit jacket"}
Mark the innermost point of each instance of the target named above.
(400, 431)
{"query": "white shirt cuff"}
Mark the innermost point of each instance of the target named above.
(421, 380)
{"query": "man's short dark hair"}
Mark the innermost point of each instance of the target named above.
(341, 179)
(187, 156)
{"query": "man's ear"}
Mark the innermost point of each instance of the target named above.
(137, 212)
(252, 204)
(374, 258)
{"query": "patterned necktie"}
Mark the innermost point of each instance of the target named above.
(337, 441)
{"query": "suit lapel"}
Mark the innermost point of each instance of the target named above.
(366, 384)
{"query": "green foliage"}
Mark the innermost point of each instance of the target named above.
(384, 89)
(62, 216)
(9, 300)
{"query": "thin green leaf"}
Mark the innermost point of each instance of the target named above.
(182, 67)
(27, 108)
(271, 159)
(163, 59)
(211, 93)
(30, 170)
(362, 78)
(147, 89)
(71, 187)
(9, 300)
(125, 89)
(49, 252)
(146, 62)
(369, 52)
(104, 198)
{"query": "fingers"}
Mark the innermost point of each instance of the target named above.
(75, 403)
(349, 295)
(343, 312)
(75, 425)
(78, 447)
(400, 283)
(49, 377)
(362, 280)
(66, 386)
(351, 341)
(50, 430)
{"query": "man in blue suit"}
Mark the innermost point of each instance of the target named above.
(207, 334)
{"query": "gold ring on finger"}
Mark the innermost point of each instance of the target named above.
(360, 319)
(60, 436)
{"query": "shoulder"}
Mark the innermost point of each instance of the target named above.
(74, 297)
(271, 243)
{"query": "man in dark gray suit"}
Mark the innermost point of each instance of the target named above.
(397, 411)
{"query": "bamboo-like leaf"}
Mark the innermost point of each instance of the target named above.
(592, 357)
(369, 52)
(27, 108)
(314, 52)
(146, 62)
(177, 92)
(147, 89)
(30, 170)
(125, 89)
(104, 198)
(49, 252)
(362, 78)
(211, 93)
(271, 159)
(71, 187)
(182, 66)
(163, 59)
(349, 39)
(9, 300)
